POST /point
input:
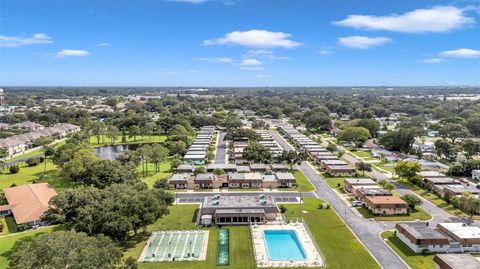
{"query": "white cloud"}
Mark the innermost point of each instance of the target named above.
(461, 53)
(251, 62)
(215, 59)
(253, 68)
(69, 52)
(432, 61)
(16, 41)
(436, 19)
(362, 42)
(103, 44)
(255, 39)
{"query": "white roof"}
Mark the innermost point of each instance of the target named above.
(461, 230)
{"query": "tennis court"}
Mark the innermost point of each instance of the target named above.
(175, 246)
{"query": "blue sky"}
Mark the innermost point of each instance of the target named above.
(239, 43)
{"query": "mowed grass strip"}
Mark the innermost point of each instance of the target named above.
(414, 260)
(337, 243)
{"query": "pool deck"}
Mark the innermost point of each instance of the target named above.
(314, 259)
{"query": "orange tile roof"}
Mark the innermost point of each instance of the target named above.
(29, 202)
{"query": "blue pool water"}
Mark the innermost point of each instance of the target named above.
(283, 245)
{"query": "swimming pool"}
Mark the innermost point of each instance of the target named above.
(283, 245)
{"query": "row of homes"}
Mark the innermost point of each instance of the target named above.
(445, 237)
(233, 180)
(445, 186)
(197, 152)
(20, 143)
(332, 165)
(375, 198)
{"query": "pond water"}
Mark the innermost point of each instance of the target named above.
(112, 152)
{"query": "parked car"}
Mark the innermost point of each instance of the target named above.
(356, 203)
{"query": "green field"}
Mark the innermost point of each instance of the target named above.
(414, 260)
(28, 175)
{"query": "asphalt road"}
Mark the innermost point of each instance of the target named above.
(220, 155)
(438, 214)
(366, 231)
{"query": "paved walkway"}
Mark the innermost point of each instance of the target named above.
(366, 231)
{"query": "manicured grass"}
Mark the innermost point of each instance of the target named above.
(336, 183)
(435, 199)
(337, 243)
(415, 214)
(414, 260)
(129, 140)
(182, 217)
(28, 175)
(151, 177)
(303, 184)
(8, 244)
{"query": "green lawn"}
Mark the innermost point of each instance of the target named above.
(414, 260)
(435, 199)
(129, 140)
(336, 183)
(337, 243)
(27, 175)
(415, 214)
(151, 177)
(303, 184)
(8, 244)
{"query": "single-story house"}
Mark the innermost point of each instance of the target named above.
(204, 181)
(386, 205)
(244, 180)
(179, 181)
(280, 167)
(361, 193)
(286, 179)
(418, 237)
(351, 182)
(27, 203)
(340, 171)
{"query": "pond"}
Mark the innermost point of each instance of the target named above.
(112, 152)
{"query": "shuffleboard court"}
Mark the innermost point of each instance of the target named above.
(175, 246)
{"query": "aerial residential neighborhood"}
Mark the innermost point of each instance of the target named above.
(239, 134)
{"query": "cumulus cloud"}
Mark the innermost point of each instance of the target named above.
(432, 61)
(69, 52)
(436, 19)
(362, 42)
(255, 39)
(17, 41)
(461, 53)
(251, 62)
(215, 59)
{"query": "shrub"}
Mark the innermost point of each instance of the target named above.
(14, 169)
